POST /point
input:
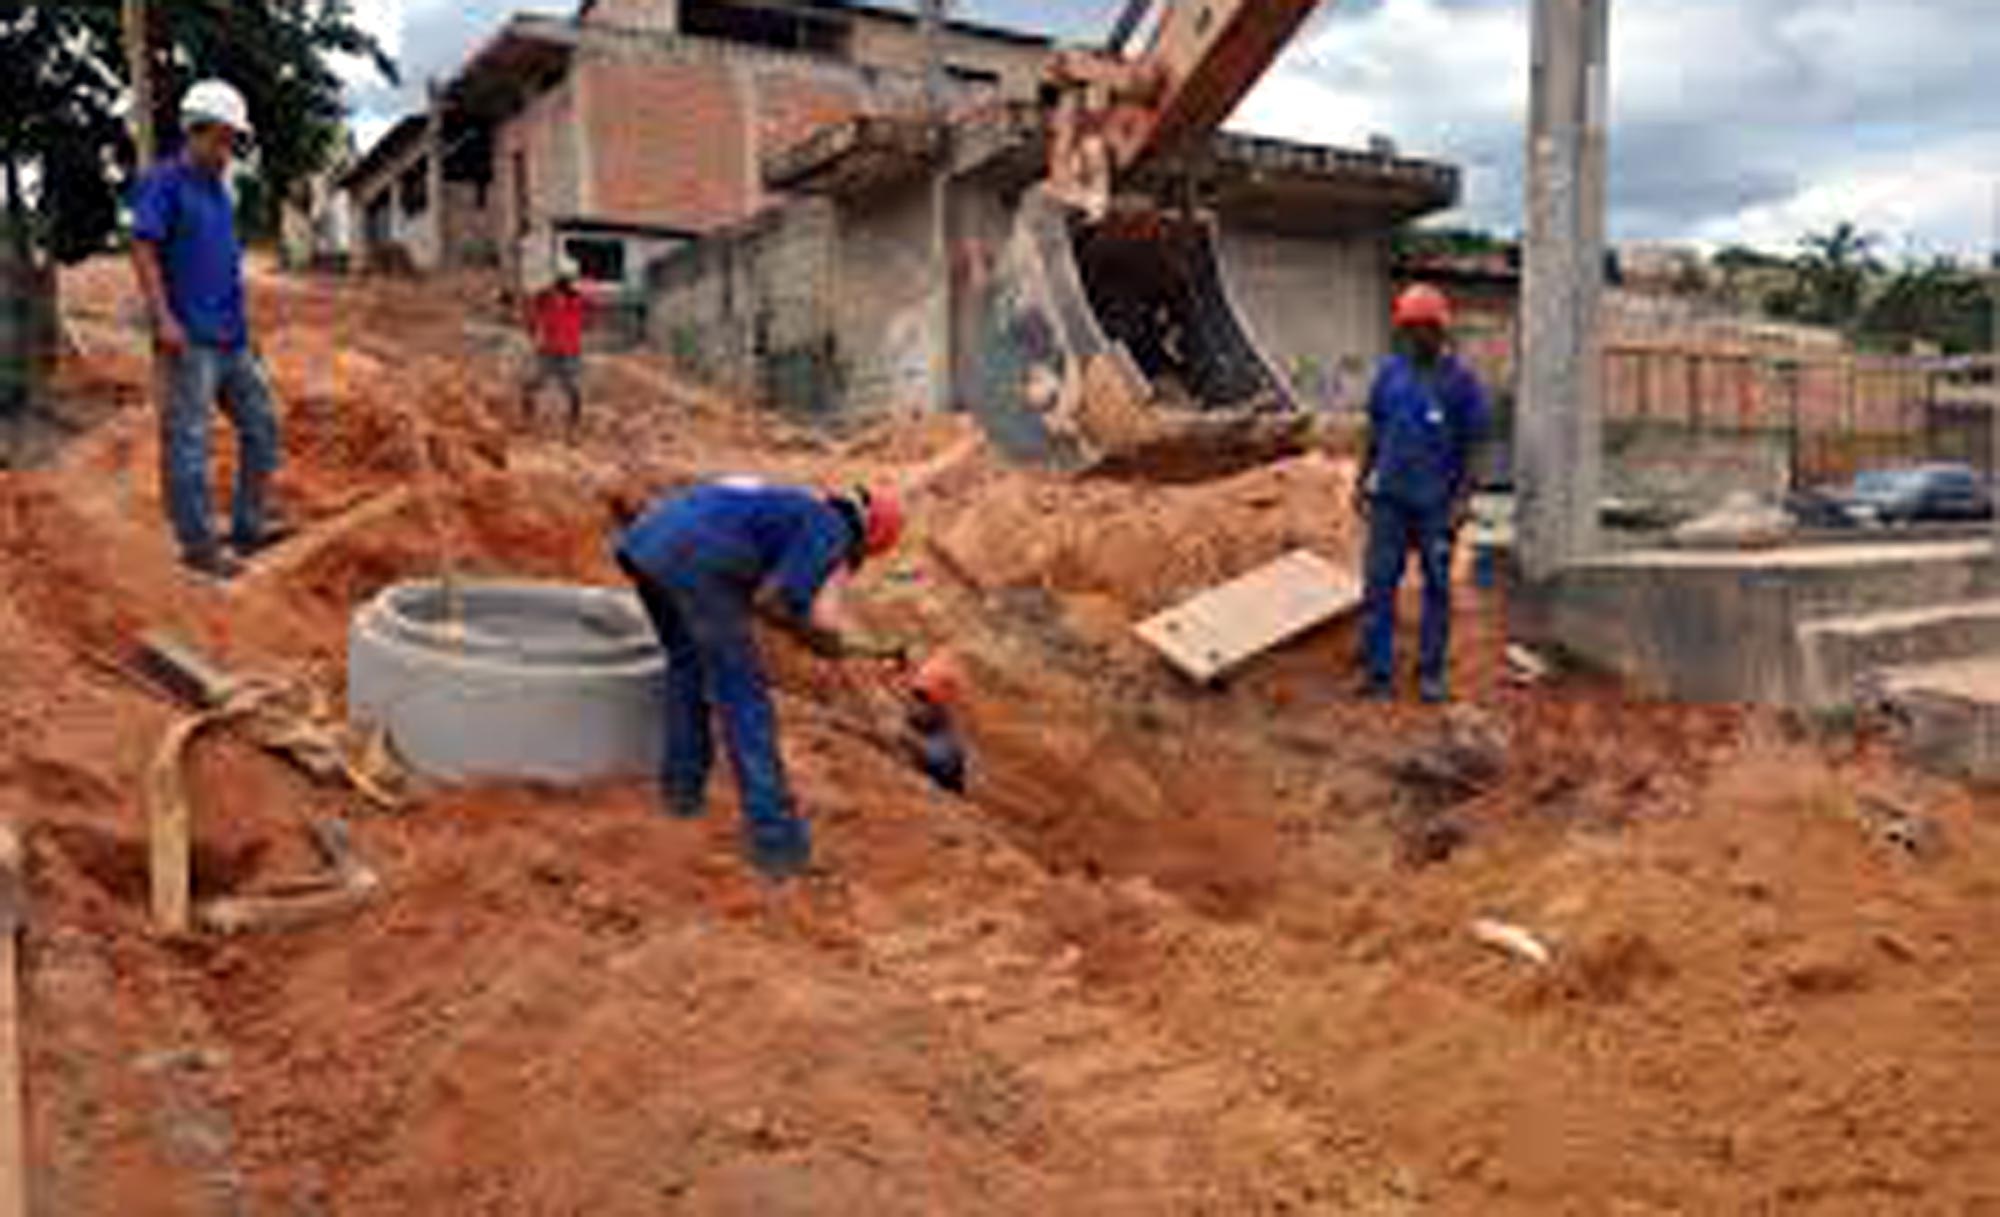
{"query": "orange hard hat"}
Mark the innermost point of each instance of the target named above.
(938, 680)
(882, 517)
(1421, 304)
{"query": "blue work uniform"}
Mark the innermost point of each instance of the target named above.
(188, 214)
(700, 560)
(1424, 425)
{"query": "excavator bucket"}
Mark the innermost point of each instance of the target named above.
(1113, 347)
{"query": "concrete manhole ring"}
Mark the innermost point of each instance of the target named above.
(509, 680)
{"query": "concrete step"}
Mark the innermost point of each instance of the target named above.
(1725, 625)
(1950, 713)
(1837, 654)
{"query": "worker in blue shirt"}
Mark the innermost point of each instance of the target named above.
(706, 562)
(190, 269)
(1426, 415)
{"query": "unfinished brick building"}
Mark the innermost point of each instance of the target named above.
(637, 126)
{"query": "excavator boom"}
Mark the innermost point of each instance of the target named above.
(1110, 342)
(1208, 55)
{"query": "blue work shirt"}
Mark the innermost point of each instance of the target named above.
(187, 212)
(747, 533)
(1424, 426)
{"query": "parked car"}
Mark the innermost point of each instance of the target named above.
(1881, 497)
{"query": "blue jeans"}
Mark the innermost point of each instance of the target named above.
(1394, 526)
(704, 624)
(194, 381)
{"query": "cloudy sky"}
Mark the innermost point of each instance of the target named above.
(1733, 120)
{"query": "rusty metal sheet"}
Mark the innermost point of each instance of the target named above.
(1219, 629)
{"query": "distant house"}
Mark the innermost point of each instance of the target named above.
(639, 125)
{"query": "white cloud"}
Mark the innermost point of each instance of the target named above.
(1731, 119)
(1937, 199)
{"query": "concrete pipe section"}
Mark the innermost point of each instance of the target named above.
(547, 682)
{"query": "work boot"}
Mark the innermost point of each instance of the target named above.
(683, 806)
(212, 563)
(1434, 690)
(1373, 689)
(275, 532)
(779, 853)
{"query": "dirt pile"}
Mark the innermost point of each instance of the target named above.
(1142, 545)
(1174, 954)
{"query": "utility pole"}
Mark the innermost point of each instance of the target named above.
(1558, 430)
(1992, 394)
(139, 64)
(937, 121)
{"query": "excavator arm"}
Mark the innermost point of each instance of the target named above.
(1107, 337)
(1116, 111)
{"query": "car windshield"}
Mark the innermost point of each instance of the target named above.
(1878, 482)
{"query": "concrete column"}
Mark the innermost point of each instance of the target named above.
(1992, 398)
(1558, 438)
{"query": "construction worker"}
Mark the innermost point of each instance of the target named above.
(190, 270)
(1426, 414)
(705, 562)
(555, 319)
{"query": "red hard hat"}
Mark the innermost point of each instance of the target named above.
(939, 680)
(1421, 304)
(883, 516)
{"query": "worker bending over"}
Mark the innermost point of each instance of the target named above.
(705, 561)
(1426, 415)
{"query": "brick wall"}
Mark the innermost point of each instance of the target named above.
(668, 142)
(542, 137)
(677, 141)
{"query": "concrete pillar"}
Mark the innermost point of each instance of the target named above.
(1992, 398)
(1558, 440)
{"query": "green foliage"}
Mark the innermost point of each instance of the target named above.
(1453, 242)
(1833, 275)
(1940, 302)
(61, 118)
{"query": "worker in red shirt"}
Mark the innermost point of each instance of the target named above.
(555, 319)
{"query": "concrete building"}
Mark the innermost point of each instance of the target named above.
(825, 304)
(637, 126)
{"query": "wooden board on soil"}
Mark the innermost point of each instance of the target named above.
(1221, 628)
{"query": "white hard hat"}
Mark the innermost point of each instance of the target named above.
(566, 268)
(215, 101)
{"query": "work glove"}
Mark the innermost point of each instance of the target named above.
(893, 651)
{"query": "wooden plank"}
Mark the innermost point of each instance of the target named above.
(13, 1148)
(1224, 626)
(287, 557)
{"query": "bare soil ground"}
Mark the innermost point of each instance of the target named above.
(1180, 952)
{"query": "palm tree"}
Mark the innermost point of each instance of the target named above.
(1833, 269)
